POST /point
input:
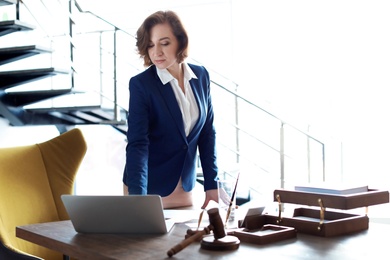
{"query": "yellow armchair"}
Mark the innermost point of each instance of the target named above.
(32, 180)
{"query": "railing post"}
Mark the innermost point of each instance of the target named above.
(101, 66)
(282, 155)
(308, 156)
(323, 163)
(17, 7)
(237, 129)
(117, 117)
(70, 42)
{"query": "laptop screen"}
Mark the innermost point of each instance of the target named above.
(133, 214)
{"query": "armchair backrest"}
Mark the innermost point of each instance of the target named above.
(32, 180)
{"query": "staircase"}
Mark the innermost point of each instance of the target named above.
(62, 107)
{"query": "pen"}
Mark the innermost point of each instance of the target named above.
(200, 218)
(231, 201)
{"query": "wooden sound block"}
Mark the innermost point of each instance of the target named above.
(222, 244)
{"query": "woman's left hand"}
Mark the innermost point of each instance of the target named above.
(210, 195)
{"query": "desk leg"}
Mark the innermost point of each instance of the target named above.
(65, 257)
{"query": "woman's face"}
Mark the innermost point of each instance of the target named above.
(163, 46)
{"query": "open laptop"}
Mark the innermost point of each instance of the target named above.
(133, 214)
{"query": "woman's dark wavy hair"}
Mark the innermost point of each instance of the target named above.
(161, 17)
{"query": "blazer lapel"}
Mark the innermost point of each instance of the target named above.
(195, 89)
(171, 102)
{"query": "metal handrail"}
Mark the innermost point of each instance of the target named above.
(117, 116)
(237, 97)
(283, 123)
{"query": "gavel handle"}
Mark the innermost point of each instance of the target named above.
(183, 244)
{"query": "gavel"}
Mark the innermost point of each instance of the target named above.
(220, 240)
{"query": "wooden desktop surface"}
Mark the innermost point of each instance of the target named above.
(62, 237)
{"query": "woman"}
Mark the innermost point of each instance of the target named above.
(170, 117)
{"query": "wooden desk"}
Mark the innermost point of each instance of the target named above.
(62, 237)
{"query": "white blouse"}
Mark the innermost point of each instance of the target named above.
(186, 101)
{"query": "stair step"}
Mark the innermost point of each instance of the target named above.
(67, 102)
(107, 115)
(104, 115)
(68, 118)
(17, 77)
(7, 2)
(86, 117)
(11, 54)
(21, 98)
(11, 26)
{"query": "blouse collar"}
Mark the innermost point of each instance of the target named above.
(166, 77)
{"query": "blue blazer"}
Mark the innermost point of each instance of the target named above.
(158, 152)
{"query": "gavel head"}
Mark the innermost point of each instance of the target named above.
(216, 222)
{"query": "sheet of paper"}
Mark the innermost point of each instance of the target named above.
(184, 215)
